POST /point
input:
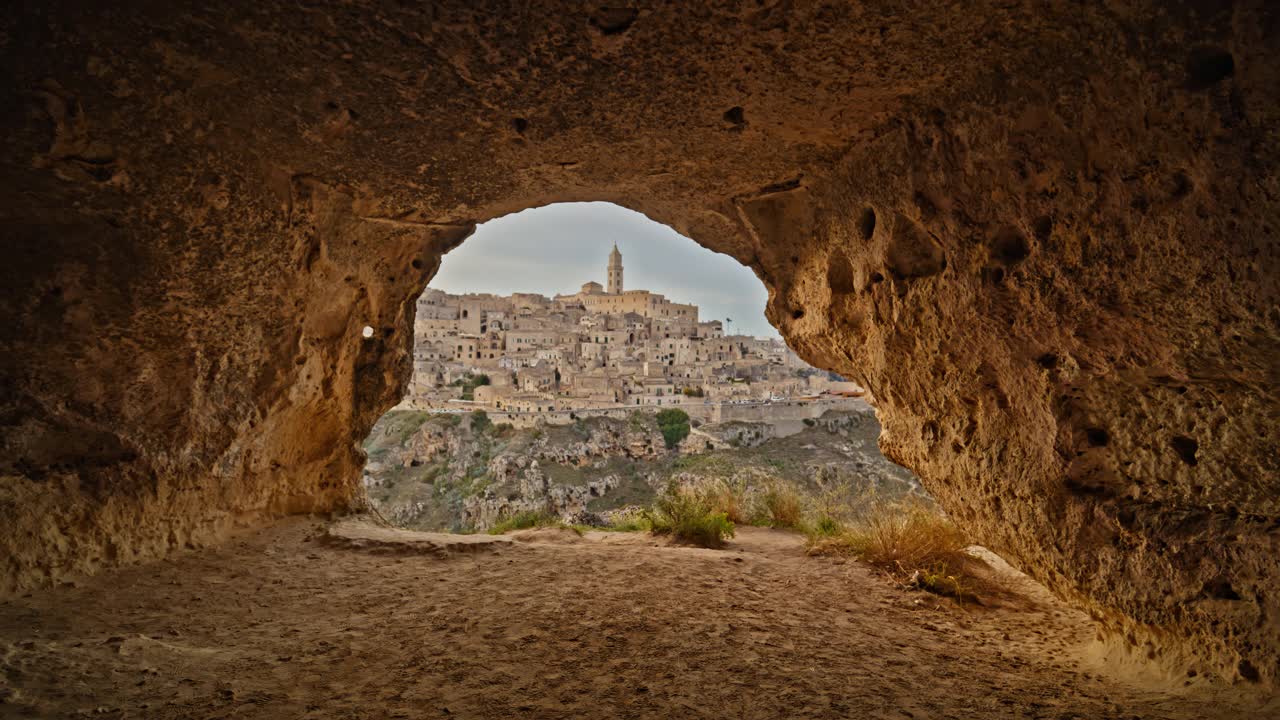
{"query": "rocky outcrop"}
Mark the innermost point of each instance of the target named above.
(735, 434)
(1042, 235)
(532, 492)
(440, 472)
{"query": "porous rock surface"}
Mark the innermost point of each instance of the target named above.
(1042, 234)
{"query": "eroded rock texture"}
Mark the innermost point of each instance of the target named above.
(1043, 234)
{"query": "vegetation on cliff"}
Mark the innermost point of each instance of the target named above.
(462, 472)
(674, 424)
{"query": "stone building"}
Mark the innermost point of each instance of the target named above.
(593, 349)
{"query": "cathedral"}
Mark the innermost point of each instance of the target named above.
(617, 301)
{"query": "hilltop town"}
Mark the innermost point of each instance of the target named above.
(604, 350)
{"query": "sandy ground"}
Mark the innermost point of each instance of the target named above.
(289, 622)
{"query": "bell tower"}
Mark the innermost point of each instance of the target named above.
(615, 271)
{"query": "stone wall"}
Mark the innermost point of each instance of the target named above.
(1042, 235)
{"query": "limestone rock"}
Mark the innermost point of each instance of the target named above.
(1042, 235)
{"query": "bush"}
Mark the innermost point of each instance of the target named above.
(674, 425)
(910, 541)
(687, 515)
(825, 526)
(480, 421)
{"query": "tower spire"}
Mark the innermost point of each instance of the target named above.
(615, 271)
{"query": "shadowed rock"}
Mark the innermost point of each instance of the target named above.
(1015, 224)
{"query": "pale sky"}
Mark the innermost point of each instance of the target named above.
(557, 248)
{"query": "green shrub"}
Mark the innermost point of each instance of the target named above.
(688, 516)
(480, 421)
(674, 425)
(824, 527)
(469, 383)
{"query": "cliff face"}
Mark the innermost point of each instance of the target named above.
(1044, 236)
(448, 472)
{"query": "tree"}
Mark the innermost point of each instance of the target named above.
(469, 383)
(674, 424)
(480, 421)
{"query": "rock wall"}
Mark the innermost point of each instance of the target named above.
(1043, 235)
(440, 472)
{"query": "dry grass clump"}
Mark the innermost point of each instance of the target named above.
(728, 497)
(909, 540)
(775, 504)
(781, 506)
(688, 515)
(529, 519)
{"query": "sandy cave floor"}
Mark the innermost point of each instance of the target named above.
(288, 622)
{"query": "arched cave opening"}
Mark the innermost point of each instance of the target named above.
(537, 389)
(1041, 235)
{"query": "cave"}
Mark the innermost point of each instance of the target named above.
(1042, 236)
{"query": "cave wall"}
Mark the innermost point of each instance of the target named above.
(1042, 234)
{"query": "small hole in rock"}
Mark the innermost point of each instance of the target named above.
(1097, 437)
(840, 274)
(1182, 186)
(1220, 589)
(1248, 671)
(735, 115)
(1186, 448)
(867, 223)
(612, 21)
(417, 264)
(367, 332)
(797, 314)
(1010, 246)
(1209, 66)
(1048, 361)
(1042, 227)
(926, 206)
(520, 124)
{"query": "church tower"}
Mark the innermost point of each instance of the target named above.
(615, 271)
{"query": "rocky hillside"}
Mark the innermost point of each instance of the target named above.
(461, 472)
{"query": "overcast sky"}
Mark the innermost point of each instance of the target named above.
(557, 248)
